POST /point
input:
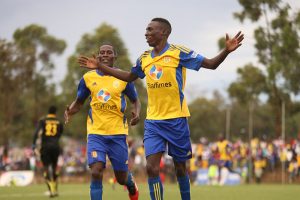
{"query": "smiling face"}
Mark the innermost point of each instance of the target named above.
(107, 55)
(155, 33)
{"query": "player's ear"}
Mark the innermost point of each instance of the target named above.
(166, 32)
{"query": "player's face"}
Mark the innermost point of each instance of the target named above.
(107, 55)
(154, 33)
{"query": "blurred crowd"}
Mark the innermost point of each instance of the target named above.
(251, 159)
(248, 159)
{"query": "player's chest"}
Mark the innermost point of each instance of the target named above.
(163, 69)
(107, 86)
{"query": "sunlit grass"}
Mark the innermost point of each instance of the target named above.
(171, 192)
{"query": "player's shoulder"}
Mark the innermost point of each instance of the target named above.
(182, 48)
(145, 54)
(42, 119)
(90, 73)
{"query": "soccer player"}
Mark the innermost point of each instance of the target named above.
(49, 130)
(166, 125)
(107, 126)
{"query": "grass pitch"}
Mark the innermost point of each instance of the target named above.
(171, 192)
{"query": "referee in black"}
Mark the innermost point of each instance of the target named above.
(49, 131)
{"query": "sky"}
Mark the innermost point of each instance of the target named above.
(197, 24)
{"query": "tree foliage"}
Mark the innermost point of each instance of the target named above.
(250, 84)
(26, 66)
(277, 49)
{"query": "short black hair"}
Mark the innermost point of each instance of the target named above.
(52, 110)
(165, 22)
(109, 44)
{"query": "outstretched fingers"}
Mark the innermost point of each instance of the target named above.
(227, 37)
(82, 60)
(86, 62)
(239, 36)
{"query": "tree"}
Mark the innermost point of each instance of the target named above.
(206, 117)
(249, 85)
(89, 45)
(277, 46)
(25, 69)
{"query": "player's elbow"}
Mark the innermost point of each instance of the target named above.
(209, 64)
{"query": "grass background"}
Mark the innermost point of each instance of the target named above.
(171, 192)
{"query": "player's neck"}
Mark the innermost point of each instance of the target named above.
(158, 48)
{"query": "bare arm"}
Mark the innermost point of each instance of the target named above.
(72, 109)
(135, 112)
(231, 45)
(36, 134)
(93, 63)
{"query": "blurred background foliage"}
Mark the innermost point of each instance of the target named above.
(255, 98)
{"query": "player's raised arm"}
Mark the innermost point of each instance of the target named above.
(231, 45)
(93, 63)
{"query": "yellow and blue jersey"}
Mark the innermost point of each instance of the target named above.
(165, 80)
(107, 102)
(222, 148)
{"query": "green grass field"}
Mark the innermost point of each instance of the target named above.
(171, 192)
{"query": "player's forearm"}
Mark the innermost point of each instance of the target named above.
(35, 138)
(36, 133)
(214, 63)
(120, 74)
(137, 106)
(75, 107)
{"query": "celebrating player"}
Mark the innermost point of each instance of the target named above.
(166, 125)
(107, 126)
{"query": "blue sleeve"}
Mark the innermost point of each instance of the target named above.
(191, 60)
(130, 91)
(137, 69)
(82, 92)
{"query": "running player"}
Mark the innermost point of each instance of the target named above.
(166, 125)
(107, 126)
(49, 130)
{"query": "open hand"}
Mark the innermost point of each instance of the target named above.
(233, 43)
(87, 62)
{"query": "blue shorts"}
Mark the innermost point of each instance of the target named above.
(114, 146)
(173, 134)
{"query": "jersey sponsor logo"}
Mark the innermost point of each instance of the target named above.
(159, 85)
(104, 106)
(94, 154)
(94, 84)
(103, 95)
(156, 72)
(116, 84)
